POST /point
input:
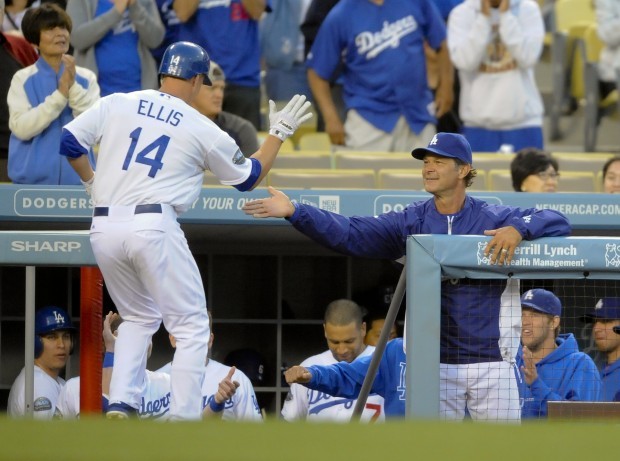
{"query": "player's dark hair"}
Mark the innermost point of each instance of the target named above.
(529, 161)
(374, 314)
(469, 179)
(115, 323)
(343, 312)
(47, 16)
(608, 164)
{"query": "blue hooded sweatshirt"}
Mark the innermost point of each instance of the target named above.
(564, 374)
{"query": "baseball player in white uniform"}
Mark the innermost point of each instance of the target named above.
(344, 332)
(153, 150)
(53, 344)
(227, 392)
(154, 401)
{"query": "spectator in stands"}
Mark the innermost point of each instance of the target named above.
(53, 343)
(606, 335)
(608, 20)
(14, 14)
(171, 24)
(43, 98)
(15, 54)
(495, 45)
(209, 103)
(611, 176)
(375, 319)
(550, 364)
(229, 33)
(345, 379)
(114, 39)
(282, 49)
(344, 332)
(317, 11)
(390, 105)
(534, 170)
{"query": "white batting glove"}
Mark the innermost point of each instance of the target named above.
(89, 185)
(284, 123)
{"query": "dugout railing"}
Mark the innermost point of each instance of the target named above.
(433, 257)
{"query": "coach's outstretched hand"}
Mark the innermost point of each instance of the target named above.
(276, 206)
(297, 374)
(284, 123)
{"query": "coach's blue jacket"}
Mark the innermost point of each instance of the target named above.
(470, 309)
(564, 374)
(345, 379)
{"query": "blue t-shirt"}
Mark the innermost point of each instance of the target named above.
(345, 379)
(171, 23)
(384, 74)
(230, 36)
(118, 62)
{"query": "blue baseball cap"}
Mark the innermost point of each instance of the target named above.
(542, 301)
(451, 145)
(605, 308)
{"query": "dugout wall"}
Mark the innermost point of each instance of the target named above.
(590, 264)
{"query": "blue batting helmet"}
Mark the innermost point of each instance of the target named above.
(185, 60)
(50, 319)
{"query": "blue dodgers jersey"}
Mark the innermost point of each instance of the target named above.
(470, 322)
(345, 379)
(230, 36)
(385, 66)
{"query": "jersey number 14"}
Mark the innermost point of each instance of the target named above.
(154, 161)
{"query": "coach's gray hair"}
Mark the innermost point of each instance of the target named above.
(343, 312)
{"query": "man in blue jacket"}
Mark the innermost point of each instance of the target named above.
(345, 379)
(606, 335)
(481, 319)
(550, 364)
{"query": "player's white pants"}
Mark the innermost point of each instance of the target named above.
(488, 390)
(151, 276)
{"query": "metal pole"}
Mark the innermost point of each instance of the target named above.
(29, 346)
(390, 318)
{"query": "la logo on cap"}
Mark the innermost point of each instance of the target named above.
(529, 295)
(433, 141)
(599, 304)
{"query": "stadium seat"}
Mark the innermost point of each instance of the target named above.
(287, 145)
(315, 141)
(321, 178)
(570, 19)
(304, 159)
(209, 180)
(491, 160)
(499, 181)
(585, 85)
(400, 179)
(581, 161)
(411, 179)
(577, 181)
(375, 160)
